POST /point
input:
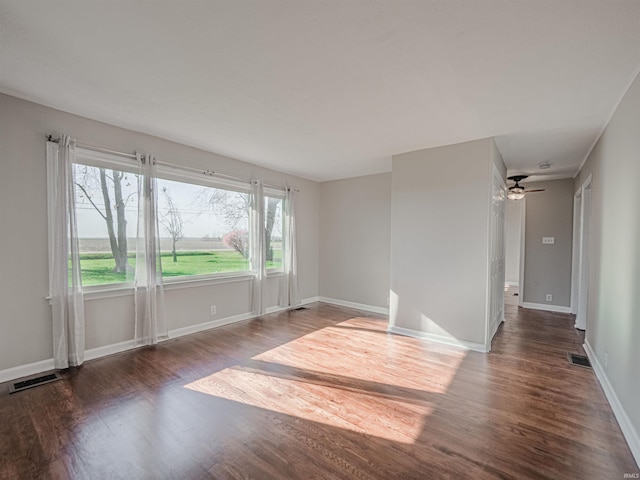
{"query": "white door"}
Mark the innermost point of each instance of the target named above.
(497, 256)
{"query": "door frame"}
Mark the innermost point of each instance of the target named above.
(523, 224)
(575, 255)
(580, 267)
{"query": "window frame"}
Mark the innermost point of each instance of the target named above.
(94, 158)
(203, 179)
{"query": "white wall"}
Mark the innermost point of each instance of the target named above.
(25, 316)
(513, 230)
(613, 319)
(440, 239)
(354, 239)
(547, 268)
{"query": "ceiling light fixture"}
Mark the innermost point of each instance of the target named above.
(516, 192)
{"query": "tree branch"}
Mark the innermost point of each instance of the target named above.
(86, 194)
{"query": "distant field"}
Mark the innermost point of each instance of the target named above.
(97, 268)
(96, 245)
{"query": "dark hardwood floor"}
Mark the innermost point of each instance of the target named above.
(323, 393)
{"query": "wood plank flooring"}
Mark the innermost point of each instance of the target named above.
(322, 393)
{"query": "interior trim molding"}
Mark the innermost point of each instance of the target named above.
(181, 332)
(357, 306)
(107, 350)
(276, 308)
(512, 284)
(20, 371)
(407, 332)
(628, 430)
(25, 370)
(546, 308)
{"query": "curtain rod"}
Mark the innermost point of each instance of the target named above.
(210, 173)
(51, 138)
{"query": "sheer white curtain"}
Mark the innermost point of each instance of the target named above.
(257, 247)
(289, 295)
(150, 321)
(65, 282)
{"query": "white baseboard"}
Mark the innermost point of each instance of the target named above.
(546, 307)
(477, 347)
(276, 308)
(357, 306)
(107, 350)
(628, 430)
(99, 352)
(20, 371)
(26, 370)
(180, 332)
(512, 284)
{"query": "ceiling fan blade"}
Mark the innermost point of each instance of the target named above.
(534, 191)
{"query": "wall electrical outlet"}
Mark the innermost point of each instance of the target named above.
(549, 297)
(548, 240)
(213, 310)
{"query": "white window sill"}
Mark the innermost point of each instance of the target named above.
(175, 283)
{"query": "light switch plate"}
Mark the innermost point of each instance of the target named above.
(548, 240)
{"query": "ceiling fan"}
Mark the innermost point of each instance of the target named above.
(517, 191)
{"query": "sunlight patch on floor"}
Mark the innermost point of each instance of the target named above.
(338, 375)
(356, 349)
(395, 419)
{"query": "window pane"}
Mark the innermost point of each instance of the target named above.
(273, 232)
(203, 230)
(106, 210)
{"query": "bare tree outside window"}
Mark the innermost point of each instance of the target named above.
(172, 223)
(108, 191)
(236, 207)
(271, 215)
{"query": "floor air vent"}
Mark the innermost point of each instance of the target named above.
(33, 382)
(580, 360)
(300, 308)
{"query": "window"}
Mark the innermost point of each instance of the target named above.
(203, 229)
(273, 228)
(205, 225)
(106, 198)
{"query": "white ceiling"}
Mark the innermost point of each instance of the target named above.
(332, 89)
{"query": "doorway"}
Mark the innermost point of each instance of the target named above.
(580, 261)
(515, 212)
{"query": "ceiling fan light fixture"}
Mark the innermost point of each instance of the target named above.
(516, 195)
(516, 192)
